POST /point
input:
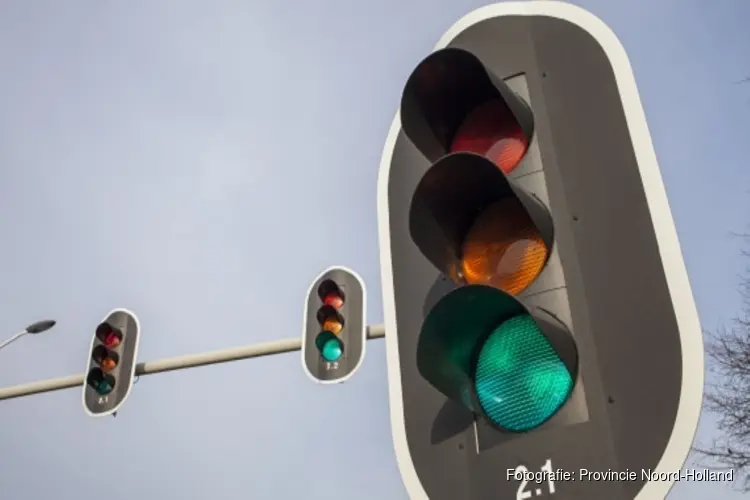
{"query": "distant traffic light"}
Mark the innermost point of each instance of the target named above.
(538, 311)
(110, 367)
(334, 329)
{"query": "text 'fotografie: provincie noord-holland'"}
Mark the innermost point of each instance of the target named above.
(624, 475)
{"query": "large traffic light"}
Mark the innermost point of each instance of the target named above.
(110, 367)
(334, 326)
(539, 318)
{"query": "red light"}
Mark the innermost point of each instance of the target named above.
(334, 300)
(111, 340)
(492, 131)
(110, 337)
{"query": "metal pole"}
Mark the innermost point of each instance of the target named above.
(176, 363)
(13, 338)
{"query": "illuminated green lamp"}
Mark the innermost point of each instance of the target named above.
(330, 346)
(520, 380)
(102, 383)
(482, 347)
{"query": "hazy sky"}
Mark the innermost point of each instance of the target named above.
(201, 161)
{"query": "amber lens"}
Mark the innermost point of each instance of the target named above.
(332, 325)
(108, 364)
(492, 131)
(503, 248)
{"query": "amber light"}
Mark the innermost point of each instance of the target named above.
(503, 248)
(106, 359)
(492, 131)
(108, 364)
(332, 325)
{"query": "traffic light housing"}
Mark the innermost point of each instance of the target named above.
(537, 308)
(110, 366)
(334, 326)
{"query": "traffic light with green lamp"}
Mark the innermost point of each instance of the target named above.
(537, 312)
(334, 326)
(110, 368)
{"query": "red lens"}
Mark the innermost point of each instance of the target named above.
(492, 131)
(334, 300)
(111, 340)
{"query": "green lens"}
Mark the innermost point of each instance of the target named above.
(321, 339)
(330, 346)
(103, 387)
(520, 380)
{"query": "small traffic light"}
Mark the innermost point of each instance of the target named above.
(334, 329)
(110, 367)
(538, 311)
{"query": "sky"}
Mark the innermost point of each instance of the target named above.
(201, 162)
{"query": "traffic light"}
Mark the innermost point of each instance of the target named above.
(110, 367)
(539, 318)
(334, 327)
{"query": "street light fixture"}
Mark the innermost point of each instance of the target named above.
(33, 328)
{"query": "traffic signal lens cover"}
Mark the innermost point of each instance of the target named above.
(111, 340)
(333, 325)
(492, 131)
(330, 319)
(106, 359)
(331, 294)
(333, 299)
(330, 346)
(503, 248)
(108, 364)
(520, 380)
(109, 336)
(101, 382)
(104, 387)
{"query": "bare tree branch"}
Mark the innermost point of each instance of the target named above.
(727, 396)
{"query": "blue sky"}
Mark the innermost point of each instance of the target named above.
(174, 158)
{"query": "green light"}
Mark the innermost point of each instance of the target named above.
(330, 346)
(102, 383)
(520, 380)
(103, 387)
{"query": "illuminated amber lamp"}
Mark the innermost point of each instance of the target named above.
(330, 320)
(106, 359)
(503, 248)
